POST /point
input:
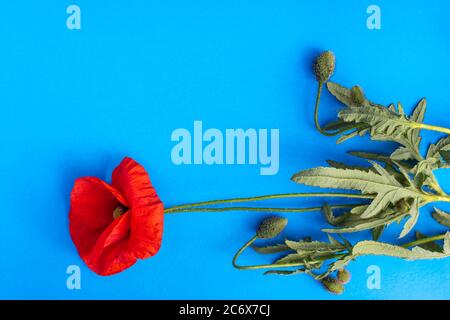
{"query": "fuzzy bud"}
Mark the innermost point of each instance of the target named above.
(332, 285)
(343, 276)
(271, 227)
(324, 66)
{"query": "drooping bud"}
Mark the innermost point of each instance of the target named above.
(324, 66)
(343, 276)
(332, 285)
(271, 227)
(357, 95)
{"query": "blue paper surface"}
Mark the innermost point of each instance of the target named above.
(75, 102)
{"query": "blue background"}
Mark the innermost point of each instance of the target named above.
(74, 102)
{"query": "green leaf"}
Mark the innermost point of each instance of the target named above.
(411, 222)
(419, 112)
(271, 249)
(293, 258)
(341, 165)
(447, 243)
(341, 93)
(386, 125)
(312, 246)
(367, 224)
(285, 272)
(387, 189)
(441, 217)
(402, 153)
(379, 248)
(340, 264)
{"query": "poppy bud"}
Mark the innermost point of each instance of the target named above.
(343, 276)
(357, 95)
(271, 227)
(324, 66)
(332, 285)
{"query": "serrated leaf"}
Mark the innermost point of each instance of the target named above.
(447, 243)
(384, 249)
(313, 245)
(346, 137)
(293, 258)
(387, 189)
(419, 112)
(367, 224)
(271, 249)
(341, 165)
(441, 217)
(386, 125)
(402, 153)
(340, 264)
(413, 217)
(430, 246)
(285, 272)
(341, 93)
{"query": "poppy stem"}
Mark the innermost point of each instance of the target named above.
(262, 209)
(267, 197)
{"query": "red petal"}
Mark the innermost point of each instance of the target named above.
(146, 230)
(92, 202)
(105, 252)
(131, 179)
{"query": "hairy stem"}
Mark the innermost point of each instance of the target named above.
(316, 113)
(267, 197)
(262, 209)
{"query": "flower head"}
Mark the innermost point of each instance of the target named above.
(332, 285)
(343, 276)
(271, 227)
(113, 225)
(324, 66)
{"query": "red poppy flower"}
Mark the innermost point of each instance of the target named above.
(113, 225)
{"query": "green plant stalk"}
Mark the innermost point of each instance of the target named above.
(259, 209)
(316, 114)
(288, 265)
(267, 197)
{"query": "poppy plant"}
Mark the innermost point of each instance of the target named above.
(113, 225)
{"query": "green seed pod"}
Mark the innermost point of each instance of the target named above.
(343, 276)
(357, 95)
(332, 285)
(271, 227)
(324, 66)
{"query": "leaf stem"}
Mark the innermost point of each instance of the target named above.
(433, 128)
(424, 240)
(268, 197)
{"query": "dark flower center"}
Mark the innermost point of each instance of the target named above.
(118, 212)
